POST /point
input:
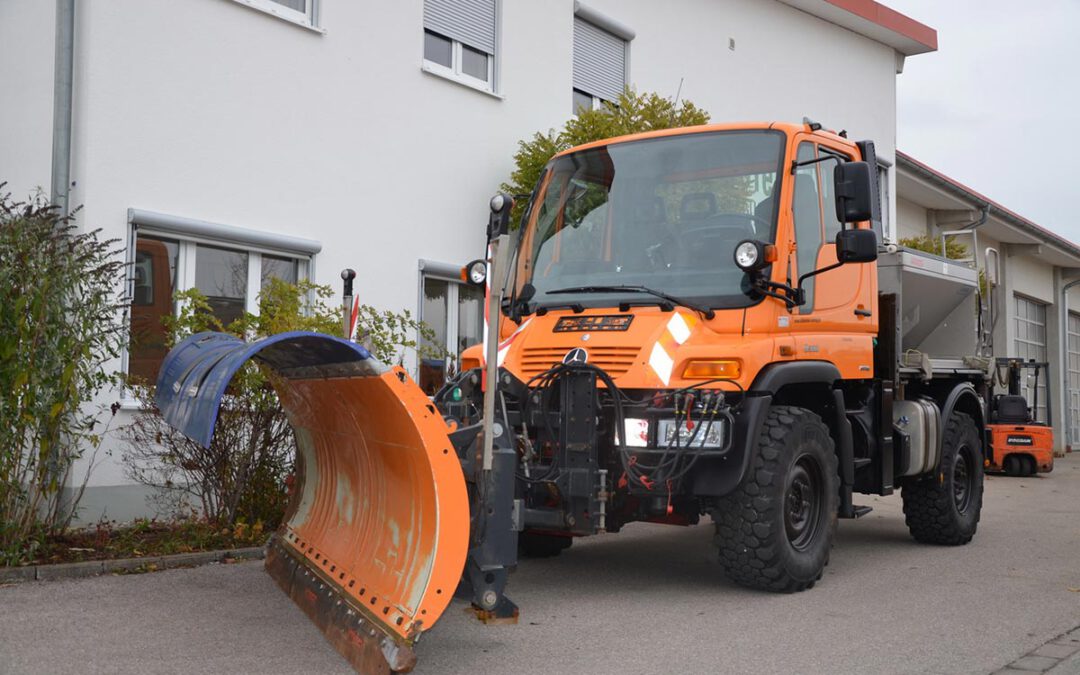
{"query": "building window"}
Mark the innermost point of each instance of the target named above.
(455, 312)
(1030, 344)
(303, 12)
(230, 277)
(1073, 383)
(459, 41)
(600, 59)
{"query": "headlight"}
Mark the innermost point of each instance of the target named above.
(637, 432)
(708, 434)
(751, 255)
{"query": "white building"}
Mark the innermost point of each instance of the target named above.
(299, 137)
(1037, 268)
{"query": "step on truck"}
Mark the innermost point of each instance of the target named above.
(699, 322)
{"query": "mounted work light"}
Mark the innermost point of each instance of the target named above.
(475, 272)
(752, 255)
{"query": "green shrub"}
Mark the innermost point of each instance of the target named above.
(60, 326)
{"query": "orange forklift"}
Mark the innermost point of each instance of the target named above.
(1020, 445)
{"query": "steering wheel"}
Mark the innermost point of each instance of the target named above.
(716, 223)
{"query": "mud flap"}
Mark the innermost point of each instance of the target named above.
(375, 540)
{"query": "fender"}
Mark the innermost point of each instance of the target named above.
(722, 478)
(964, 398)
(775, 376)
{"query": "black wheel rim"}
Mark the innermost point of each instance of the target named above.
(803, 502)
(963, 479)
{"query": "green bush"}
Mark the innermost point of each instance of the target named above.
(630, 113)
(60, 326)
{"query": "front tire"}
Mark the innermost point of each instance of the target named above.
(775, 530)
(944, 507)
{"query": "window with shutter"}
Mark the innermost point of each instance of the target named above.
(460, 40)
(599, 64)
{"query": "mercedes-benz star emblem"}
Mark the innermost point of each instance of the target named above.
(577, 355)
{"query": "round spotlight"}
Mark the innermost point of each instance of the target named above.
(498, 202)
(476, 272)
(749, 255)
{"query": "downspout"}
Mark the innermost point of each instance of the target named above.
(1066, 412)
(62, 88)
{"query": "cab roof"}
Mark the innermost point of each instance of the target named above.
(788, 128)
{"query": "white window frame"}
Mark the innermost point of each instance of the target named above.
(308, 19)
(185, 270)
(454, 72)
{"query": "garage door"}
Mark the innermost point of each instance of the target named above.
(1073, 392)
(1031, 345)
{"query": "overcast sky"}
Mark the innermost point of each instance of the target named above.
(997, 107)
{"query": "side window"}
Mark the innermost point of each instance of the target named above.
(806, 208)
(826, 168)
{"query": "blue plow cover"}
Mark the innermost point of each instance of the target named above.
(196, 372)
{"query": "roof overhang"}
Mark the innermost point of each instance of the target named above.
(929, 188)
(875, 21)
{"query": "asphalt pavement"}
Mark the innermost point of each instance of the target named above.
(647, 600)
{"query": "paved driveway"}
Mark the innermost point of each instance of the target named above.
(647, 600)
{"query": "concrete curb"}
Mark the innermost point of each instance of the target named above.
(95, 567)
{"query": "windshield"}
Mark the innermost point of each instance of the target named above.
(664, 213)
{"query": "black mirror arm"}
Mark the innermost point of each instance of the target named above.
(791, 297)
(817, 272)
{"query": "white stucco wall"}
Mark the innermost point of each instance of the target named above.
(26, 59)
(911, 218)
(211, 110)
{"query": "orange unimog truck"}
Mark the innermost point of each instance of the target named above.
(690, 322)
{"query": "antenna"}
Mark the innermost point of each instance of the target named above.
(678, 93)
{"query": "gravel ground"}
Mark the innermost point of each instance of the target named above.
(648, 600)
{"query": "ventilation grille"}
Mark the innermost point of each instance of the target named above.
(613, 360)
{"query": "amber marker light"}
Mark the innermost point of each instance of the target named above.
(712, 369)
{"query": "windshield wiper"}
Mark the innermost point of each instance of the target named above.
(704, 311)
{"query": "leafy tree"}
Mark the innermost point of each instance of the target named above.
(60, 327)
(630, 113)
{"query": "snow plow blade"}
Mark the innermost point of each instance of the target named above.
(374, 542)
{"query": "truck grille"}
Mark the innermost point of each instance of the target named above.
(613, 360)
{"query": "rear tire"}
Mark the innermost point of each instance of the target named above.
(535, 545)
(775, 530)
(1030, 466)
(944, 507)
(1012, 465)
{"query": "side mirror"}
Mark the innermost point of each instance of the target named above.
(854, 190)
(499, 222)
(856, 246)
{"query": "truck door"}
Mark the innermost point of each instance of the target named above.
(838, 301)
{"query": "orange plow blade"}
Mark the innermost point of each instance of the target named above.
(375, 539)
